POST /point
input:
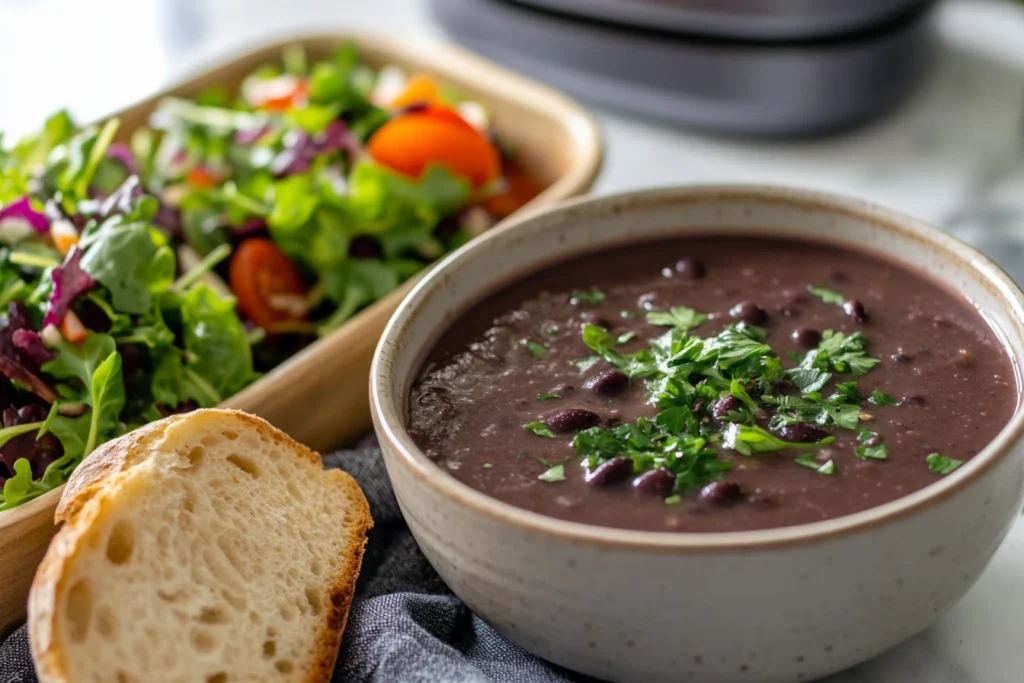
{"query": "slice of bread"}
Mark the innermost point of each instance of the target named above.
(204, 548)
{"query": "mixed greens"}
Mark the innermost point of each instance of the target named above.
(160, 276)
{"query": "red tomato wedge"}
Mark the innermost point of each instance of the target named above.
(202, 178)
(285, 101)
(73, 329)
(269, 288)
(409, 143)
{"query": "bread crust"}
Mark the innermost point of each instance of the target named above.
(88, 495)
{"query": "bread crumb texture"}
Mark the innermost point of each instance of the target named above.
(222, 553)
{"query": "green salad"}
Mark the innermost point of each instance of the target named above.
(156, 271)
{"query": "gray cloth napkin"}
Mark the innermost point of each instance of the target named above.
(405, 625)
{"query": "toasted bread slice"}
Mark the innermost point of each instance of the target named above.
(204, 548)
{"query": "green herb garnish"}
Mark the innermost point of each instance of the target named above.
(940, 464)
(584, 364)
(880, 398)
(808, 460)
(488, 465)
(827, 295)
(680, 317)
(625, 337)
(594, 296)
(540, 429)
(548, 397)
(538, 350)
(840, 353)
(556, 473)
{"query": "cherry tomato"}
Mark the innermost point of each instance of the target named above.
(520, 189)
(265, 282)
(202, 177)
(409, 143)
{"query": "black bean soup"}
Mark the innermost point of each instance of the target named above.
(712, 384)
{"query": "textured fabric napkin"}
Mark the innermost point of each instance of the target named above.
(405, 625)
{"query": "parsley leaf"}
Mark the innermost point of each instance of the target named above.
(540, 429)
(940, 464)
(808, 379)
(880, 398)
(594, 296)
(636, 365)
(584, 364)
(556, 473)
(840, 353)
(548, 397)
(750, 439)
(827, 295)
(625, 337)
(680, 317)
(538, 350)
(876, 452)
(807, 460)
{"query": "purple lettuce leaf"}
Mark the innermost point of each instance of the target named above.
(21, 209)
(122, 153)
(31, 343)
(301, 148)
(15, 363)
(40, 453)
(69, 283)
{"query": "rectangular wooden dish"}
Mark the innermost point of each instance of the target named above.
(319, 396)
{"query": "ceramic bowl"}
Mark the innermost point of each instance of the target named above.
(778, 605)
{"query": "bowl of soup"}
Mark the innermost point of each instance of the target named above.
(711, 433)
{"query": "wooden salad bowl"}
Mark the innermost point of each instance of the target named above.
(320, 395)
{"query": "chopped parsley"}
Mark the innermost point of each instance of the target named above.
(540, 429)
(840, 353)
(488, 465)
(555, 473)
(687, 376)
(808, 460)
(584, 364)
(827, 295)
(880, 398)
(594, 296)
(680, 317)
(538, 350)
(940, 464)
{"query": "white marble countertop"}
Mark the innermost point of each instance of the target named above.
(952, 154)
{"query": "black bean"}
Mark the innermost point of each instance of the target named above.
(750, 313)
(724, 405)
(608, 383)
(610, 472)
(856, 310)
(802, 432)
(837, 275)
(571, 420)
(806, 337)
(914, 400)
(691, 267)
(720, 493)
(657, 482)
(595, 319)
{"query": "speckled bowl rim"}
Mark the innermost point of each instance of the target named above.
(389, 411)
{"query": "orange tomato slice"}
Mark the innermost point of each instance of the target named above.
(262, 277)
(73, 329)
(202, 178)
(409, 143)
(286, 101)
(419, 90)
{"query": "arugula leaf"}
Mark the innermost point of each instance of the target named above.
(540, 429)
(78, 362)
(880, 398)
(680, 317)
(555, 474)
(108, 398)
(131, 260)
(827, 295)
(940, 464)
(218, 356)
(21, 487)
